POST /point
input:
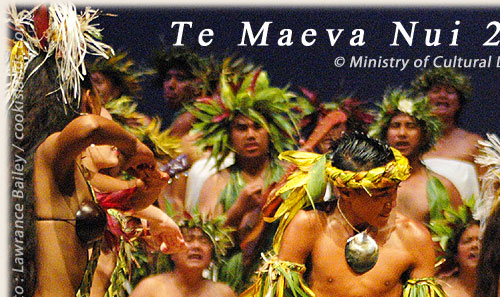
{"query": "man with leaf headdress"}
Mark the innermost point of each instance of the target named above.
(355, 245)
(256, 122)
(406, 123)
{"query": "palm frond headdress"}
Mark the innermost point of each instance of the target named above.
(443, 76)
(252, 96)
(123, 72)
(448, 229)
(214, 229)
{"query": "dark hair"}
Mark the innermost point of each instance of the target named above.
(455, 241)
(488, 268)
(44, 114)
(425, 143)
(358, 152)
(179, 58)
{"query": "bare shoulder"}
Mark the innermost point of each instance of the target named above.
(47, 147)
(307, 221)
(468, 138)
(301, 234)
(223, 290)
(412, 232)
(151, 286)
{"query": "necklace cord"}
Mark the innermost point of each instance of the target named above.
(344, 217)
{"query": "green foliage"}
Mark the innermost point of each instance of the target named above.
(248, 94)
(443, 76)
(397, 101)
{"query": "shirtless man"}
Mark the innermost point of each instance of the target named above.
(448, 91)
(406, 124)
(320, 238)
(186, 279)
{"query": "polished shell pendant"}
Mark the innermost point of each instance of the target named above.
(361, 252)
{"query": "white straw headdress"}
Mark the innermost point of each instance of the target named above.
(69, 36)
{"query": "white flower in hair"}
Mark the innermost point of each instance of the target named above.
(405, 105)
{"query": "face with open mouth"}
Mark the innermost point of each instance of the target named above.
(445, 101)
(468, 247)
(198, 251)
(404, 134)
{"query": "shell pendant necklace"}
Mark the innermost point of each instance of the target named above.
(361, 250)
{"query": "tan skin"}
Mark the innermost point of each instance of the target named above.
(60, 188)
(104, 87)
(463, 283)
(404, 246)
(455, 143)
(405, 134)
(186, 279)
(250, 142)
(99, 159)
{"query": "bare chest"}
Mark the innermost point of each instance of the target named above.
(331, 275)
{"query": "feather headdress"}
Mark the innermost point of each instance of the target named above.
(489, 157)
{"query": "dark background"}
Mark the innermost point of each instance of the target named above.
(140, 30)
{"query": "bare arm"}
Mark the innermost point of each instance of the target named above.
(147, 287)
(249, 199)
(299, 237)
(210, 193)
(163, 228)
(420, 246)
(84, 131)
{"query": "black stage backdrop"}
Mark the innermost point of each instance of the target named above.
(380, 33)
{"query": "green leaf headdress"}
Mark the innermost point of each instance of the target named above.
(122, 72)
(214, 228)
(398, 101)
(252, 96)
(448, 230)
(182, 58)
(443, 76)
(489, 157)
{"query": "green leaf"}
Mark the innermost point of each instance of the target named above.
(317, 180)
(438, 197)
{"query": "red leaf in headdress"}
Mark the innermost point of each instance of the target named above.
(205, 100)
(221, 117)
(312, 96)
(41, 22)
(187, 215)
(251, 87)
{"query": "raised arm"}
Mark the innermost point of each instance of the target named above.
(91, 129)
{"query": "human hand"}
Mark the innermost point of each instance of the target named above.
(142, 159)
(251, 196)
(167, 235)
